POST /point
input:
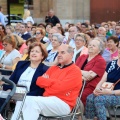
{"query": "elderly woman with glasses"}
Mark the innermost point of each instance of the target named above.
(80, 42)
(11, 55)
(57, 39)
(92, 67)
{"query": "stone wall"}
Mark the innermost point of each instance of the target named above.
(67, 10)
(3, 3)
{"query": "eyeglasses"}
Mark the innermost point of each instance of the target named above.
(71, 31)
(28, 27)
(7, 28)
(37, 33)
(4, 45)
(22, 27)
(79, 40)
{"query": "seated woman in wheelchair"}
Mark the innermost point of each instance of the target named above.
(103, 98)
(27, 72)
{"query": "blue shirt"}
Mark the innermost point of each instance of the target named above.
(2, 19)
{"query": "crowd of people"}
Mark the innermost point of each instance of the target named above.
(52, 61)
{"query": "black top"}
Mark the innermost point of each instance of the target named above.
(26, 36)
(113, 75)
(52, 20)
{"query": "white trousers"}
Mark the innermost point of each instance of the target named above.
(48, 106)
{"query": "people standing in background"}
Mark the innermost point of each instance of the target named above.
(27, 17)
(51, 18)
(2, 20)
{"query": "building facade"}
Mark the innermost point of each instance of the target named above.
(72, 10)
(67, 10)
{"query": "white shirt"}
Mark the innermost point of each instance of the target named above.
(28, 19)
(72, 43)
(8, 59)
(49, 47)
(26, 77)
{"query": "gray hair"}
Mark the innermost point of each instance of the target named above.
(101, 45)
(70, 49)
(59, 37)
(81, 35)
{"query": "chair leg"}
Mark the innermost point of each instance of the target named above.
(115, 110)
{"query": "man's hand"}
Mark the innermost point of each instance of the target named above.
(45, 75)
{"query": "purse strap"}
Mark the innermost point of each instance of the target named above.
(116, 83)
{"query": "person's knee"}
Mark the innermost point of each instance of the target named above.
(90, 98)
(98, 100)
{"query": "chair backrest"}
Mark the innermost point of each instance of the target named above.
(5, 72)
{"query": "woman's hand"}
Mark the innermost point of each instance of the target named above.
(1, 82)
(101, 91)
(97, 91)
(88, 75)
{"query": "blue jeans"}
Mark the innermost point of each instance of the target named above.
(96, 105)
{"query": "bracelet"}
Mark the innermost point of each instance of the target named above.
(113, 92)
(3, 66)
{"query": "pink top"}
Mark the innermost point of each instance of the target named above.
(24, 46)
(115, 54)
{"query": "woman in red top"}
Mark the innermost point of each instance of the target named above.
(92, 67)
(1, 37)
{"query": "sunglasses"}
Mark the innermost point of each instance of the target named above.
(37, 33)
(4, 45)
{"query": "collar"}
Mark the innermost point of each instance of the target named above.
(59, 65)
(25, 33)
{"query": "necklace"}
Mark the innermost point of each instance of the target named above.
(118, 68)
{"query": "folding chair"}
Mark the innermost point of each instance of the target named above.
(6, 95)
(114, 112)
(17, 96)
(77, 110)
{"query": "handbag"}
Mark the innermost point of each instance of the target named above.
(109, 85)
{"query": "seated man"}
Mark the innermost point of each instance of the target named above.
(62, 84)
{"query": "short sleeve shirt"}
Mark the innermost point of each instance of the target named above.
(8, 59)
(113, 71)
